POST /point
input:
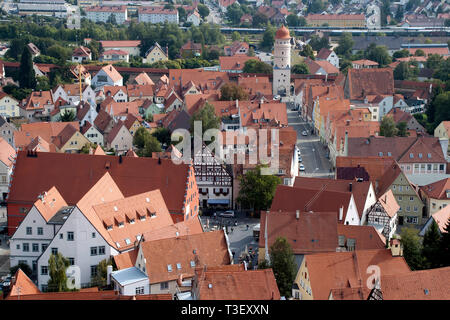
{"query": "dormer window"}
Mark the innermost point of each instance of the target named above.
(169, 267)
(192, 264)
(429, 156)
(127, 241)
(132, 221)
(420, 155)
(118, 245)
(411, 155)
(178, 266)
(109, 228)
(120, 224)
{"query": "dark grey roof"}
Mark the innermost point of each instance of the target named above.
(181, 121)
(391, 42)
(298, 259)
(61, 216)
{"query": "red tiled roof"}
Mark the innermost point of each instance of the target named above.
(143, 79)
(432, 284)
(122, 9)
(120, 43)
(323, 54)
(442, 218)
(33, 175)
(22, 285)
(375, 166)
(126, 260)
(362, 82)
(366, 237)
(83, 295)
(7, 153)
(136, 90)
(114, 51)
(205, 249)
(335, 17)
(237, 285)
(236, 62)
(112, 72)
(64, 136)
(365, 62)
(102, 120)
(47, 130)
(336, 270)
(389, 204)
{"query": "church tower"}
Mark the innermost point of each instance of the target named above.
(282, 62)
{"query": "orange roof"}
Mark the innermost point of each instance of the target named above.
(237, 285)
(442, 217)
(39, 144)
(83, 295)
(7, 153)
(194, 102)
(111, 91)
(328, 17)
(99, 151)
(366, 237)
(51, 202)
(442, 51)
(363, 82)
(184, 228)
(149, 205)
(438, 189)
(432, 284)
(282, 33)
(136, 90)
(120, 43)
(37, 100)
(22, 285)
(236, 62)
(204, 249)
(374, 165)
(334, 270)
(111, 72)
(365, 62)
(126, 260)
(47, 130)
(143, 79)
(122, 108)
(389, 204)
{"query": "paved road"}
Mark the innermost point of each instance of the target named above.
(312, 151)
(241, 238)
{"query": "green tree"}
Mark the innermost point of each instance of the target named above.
(301, 68)
(57, 265)
(292, 20)
(345, 65)
(27, 76)
(401, 54)
(431, 246)
(100, 279)
(399, 14)
(441, 106)
(268, 38)
(231, 91)
(257, 190)
(234, 13)
(378, 54)
(260, 20)
(182, 14)
(68, 116)
(162, 135)
(151, 145)
(22, 266)
(388, 127)
(112, 19)
(434, 61)
(236, 36)
(140, 137)
(419, 53)
(412, 248)
(385, 11)
(251, 52)
(203, 10)
(316, 6)
(402, 129)
(43, 83)
(401, 71)
(87, 147)
(207, 116)
(307, 51)
(318, 43)
(345, 44)
(256, 66)
(283, 265)
(62, 54)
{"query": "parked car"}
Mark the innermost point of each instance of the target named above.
(302, 167)
(300, 159)
(227, 214)
(304, 133)
(298, 152)
(276, 97)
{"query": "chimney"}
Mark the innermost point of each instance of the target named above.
(396, 247)
(297, 214)
(350, 187)
(341, 213)
(109, 270)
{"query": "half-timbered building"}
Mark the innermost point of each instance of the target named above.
(383, 215)
(214, 180)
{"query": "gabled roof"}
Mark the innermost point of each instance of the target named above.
(365, 237)
(234, 284)
(39, 144)
(389, 204)
(113, 90)
(120, 43)
(143, 79)
(365, 62)
(102, 120)
(7, 153)
(323, 54)
(111, 72)
(130, 120)
(37, 100)
(114, 51)
(136, 90)
(64, 136)
(334, 270)
(236, 62)
(115, 131)
(99, 151)
(442, 218)
(431, 284)
(375, 166)
(81, 51)
(50, 203)
(438, 190)
(204, 249)
(22, 285)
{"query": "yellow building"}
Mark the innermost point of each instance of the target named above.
(9, 107)
(336, 20)
(155, 54)
(442, 131)
(70, 140)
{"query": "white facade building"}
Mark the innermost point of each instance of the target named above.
(282, 62)
(157, 15)
(105, 13)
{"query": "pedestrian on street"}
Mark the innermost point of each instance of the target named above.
(247, 226)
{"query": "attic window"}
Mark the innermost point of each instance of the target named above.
(389, 154)
(127, 241)
(429, 156)
(109, 228)
(132, 221)
(118, 245)
(169, 267)
(147, 199)
(380, 154)
(152, 214)
(420, 155)
(192, 264)
(115, 208)
(120, 224)
(178, 266)
(411, 155)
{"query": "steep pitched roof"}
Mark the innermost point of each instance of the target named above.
(50, 202)
(22, 285)
(236, 62)
(143, 79)
(442, 217)
(438, 190)
(64, 136)
(33, 175)
(389, 204)
(323, 54)
(47, 130)
(362, 82)
(208, 248)
(102, 120)
(112, 72)
(375, 166)
(138, 90)
(115, 131)
(7, 153)
(366, 237)
(237, 285)
(432, 284)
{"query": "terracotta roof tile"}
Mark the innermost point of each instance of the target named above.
(389, 204)
(7, 153)
(47, 130)
(120, 43)
(236, 62)
(208, 248)
(366, 237)
(442, 217)
(438, 189)
(362, 82)
(51, 202)
(237, 285)
(99, 295)
(22, 285)
(143, 79)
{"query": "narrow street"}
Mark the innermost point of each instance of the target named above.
(312, 151)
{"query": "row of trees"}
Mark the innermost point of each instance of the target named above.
(388, 127)
(433, 251)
